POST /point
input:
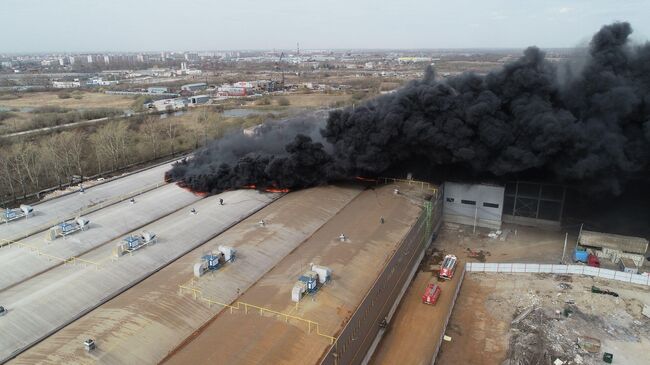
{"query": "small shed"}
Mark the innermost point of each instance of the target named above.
(615, 246)
(628, 266)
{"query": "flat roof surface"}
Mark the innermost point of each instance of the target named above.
(241, 338)
(631, 244)
(43, 304)
(48, 212)
(147, 321)
(18, 263)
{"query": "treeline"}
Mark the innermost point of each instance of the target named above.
(31, 165)
(53, 116)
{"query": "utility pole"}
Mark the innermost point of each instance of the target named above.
(475, 217)
(566, 237)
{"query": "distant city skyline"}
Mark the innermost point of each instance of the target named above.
(91, 26)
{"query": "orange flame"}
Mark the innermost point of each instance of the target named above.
(276, 190)
(251, 186)
(360, 178)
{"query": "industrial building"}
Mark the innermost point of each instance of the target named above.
(479, 205)
(518, 202)
(66, 84)
(292, 240)
(157, 90)
(195, 87)
(199, 99)
(534, 204)
(614, 247)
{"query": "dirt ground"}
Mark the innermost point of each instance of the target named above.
(415, 328)
(520, 244)
(50, 98)
(482, 332)
(416, 325)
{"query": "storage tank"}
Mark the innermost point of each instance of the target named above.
(324, 273)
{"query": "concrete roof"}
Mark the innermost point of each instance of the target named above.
(241, 338)
(629, 244)
(43, 304)
(47, 213)
(159, 318)
(20, 263)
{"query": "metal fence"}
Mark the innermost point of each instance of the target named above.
(559, 269)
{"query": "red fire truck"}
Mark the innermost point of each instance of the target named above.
(448, 267)
(431, 294)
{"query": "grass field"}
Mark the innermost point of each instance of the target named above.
(86, 100)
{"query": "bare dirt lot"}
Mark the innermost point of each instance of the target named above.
(415, 329)
(538, 318)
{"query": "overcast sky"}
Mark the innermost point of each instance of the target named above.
(151, 25)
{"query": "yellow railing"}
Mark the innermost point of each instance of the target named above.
(421, 184)
(89, 209)
(312, 326)
(40, 252)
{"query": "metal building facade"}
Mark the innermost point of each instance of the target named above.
(473, 204)
(534, 204)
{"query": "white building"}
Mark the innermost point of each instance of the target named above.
(66, 84)
(478, 205)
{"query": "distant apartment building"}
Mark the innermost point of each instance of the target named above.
(107, 60)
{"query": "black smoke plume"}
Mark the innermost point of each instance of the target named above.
(587, 126)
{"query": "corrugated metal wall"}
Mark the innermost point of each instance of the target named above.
(471, 204)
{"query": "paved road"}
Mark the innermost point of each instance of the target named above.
(18, 263)
(47, 213)
(159, 318)
(46, 303)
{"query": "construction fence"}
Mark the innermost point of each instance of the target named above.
(512, 268)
